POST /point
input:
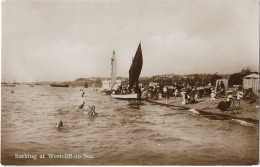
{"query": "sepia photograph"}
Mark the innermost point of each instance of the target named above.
(130, 82)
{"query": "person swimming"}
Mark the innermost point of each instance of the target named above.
(59, 124)
(83, 94)
(90, 111)
(81, 105)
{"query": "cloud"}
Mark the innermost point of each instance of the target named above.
(56, 40)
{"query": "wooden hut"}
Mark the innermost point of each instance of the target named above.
(251, 82)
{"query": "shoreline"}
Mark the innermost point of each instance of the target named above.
(247, 112)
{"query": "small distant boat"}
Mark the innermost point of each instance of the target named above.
(8, 84)
(37, 83)
(32, 85)
(59, 85)
(134, 73)
(11, 85)
(2, 83)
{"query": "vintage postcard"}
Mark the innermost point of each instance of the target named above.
(130, 82)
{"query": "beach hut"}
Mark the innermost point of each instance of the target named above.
(225, 81)
(251, 82)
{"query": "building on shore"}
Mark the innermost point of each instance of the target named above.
(106, 85)
(251, 82)
(153, 84)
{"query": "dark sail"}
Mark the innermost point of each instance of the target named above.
(136, 67)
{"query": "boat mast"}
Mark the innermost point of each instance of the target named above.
(113, 70)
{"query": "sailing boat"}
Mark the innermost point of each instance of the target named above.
(134, 74)
(37, 83)
(3, 82)
(7, 84)
(107, 86)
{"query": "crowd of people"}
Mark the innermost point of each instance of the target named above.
(188, 92)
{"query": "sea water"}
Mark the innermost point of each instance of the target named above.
(123, 133)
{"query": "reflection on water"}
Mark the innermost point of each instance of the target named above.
(124, 132)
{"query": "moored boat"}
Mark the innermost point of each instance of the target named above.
(107, 92)
(37, 83)
(134, 73)
(59, 85)
(8, 84)
(125, 96)
(11, 85)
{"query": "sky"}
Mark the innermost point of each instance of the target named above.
(55, 40)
